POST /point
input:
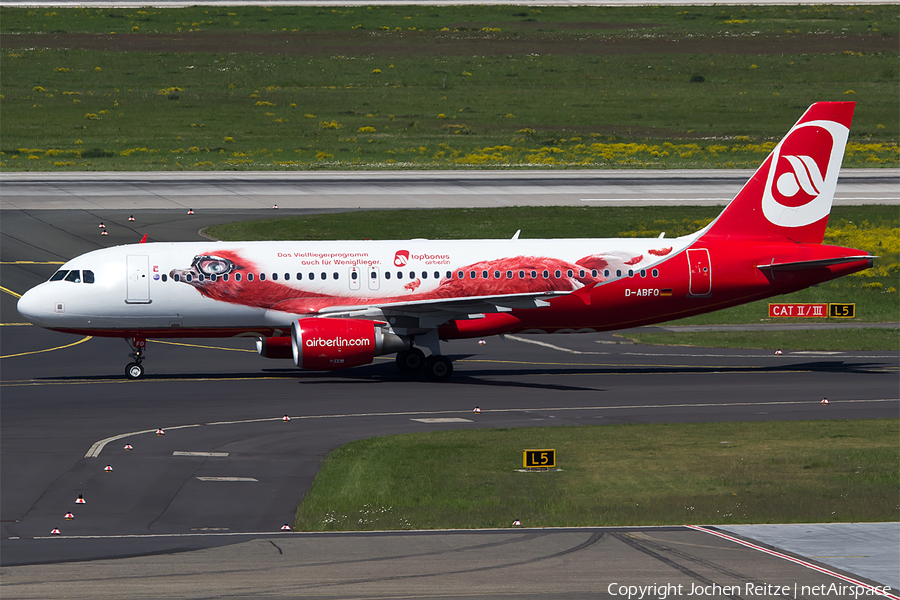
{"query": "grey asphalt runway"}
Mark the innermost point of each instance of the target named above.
(59, 400)
(406, 189)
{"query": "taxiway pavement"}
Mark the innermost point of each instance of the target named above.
(57, 402)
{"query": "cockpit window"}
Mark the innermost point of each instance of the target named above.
(74, 276)
(59, 275)
(88, 276)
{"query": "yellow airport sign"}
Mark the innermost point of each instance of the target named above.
(533, 459)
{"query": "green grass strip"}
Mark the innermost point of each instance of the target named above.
(669, 474)
(411, 87)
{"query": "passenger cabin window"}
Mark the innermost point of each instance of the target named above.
(287, 276)
(164, 278)
(59, 275)
(176, 277)
(262, 276)
(74, 276)
(299, 276)
(274, 276)
(509, 275)
(324, 276)
(334, 275)
(655, 272)
(354, 275)
(569, 273)
(496, 274)
(593, 272)
(237, 276)
(249, 276)
(387, 275)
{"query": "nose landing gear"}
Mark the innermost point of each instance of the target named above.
(134, 370)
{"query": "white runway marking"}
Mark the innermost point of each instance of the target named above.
(548, 345)
(210, 454)
(228, 479)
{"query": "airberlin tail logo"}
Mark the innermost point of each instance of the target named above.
(804, 176)
(401, 258)
(803, 171)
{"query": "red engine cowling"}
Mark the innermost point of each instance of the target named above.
(275, 347)
(324, 344)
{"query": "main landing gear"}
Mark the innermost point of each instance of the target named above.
(134, 370)
(436, 367)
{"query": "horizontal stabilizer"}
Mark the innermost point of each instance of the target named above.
(815, 264)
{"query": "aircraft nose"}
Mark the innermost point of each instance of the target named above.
(29, 305)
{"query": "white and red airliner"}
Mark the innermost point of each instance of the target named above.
(332, 305)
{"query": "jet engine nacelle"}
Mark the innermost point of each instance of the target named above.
(275, 347)
(324, 344)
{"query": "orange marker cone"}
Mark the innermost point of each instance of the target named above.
(477, 411)
(190, 211)
(286, 418)
(286, 527)
(103, 232)
(69, 516)
(160, 432)
(129, 447)
(517, 523)
(824, 400)
(778, 352)
(131, 218)
(107, 469)
(101, 225)
(55, 531)
(275, 207)
(80, 499)
(481, 342)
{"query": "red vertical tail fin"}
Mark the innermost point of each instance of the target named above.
(790, 195)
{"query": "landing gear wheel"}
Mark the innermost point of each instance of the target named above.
(410, 361)
(134, 371)
(438, 368)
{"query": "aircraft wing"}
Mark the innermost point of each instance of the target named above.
(446, 306)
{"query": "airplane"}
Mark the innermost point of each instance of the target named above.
(337, 304)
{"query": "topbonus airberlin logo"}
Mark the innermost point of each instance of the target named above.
(803, 174)
(402, 258)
